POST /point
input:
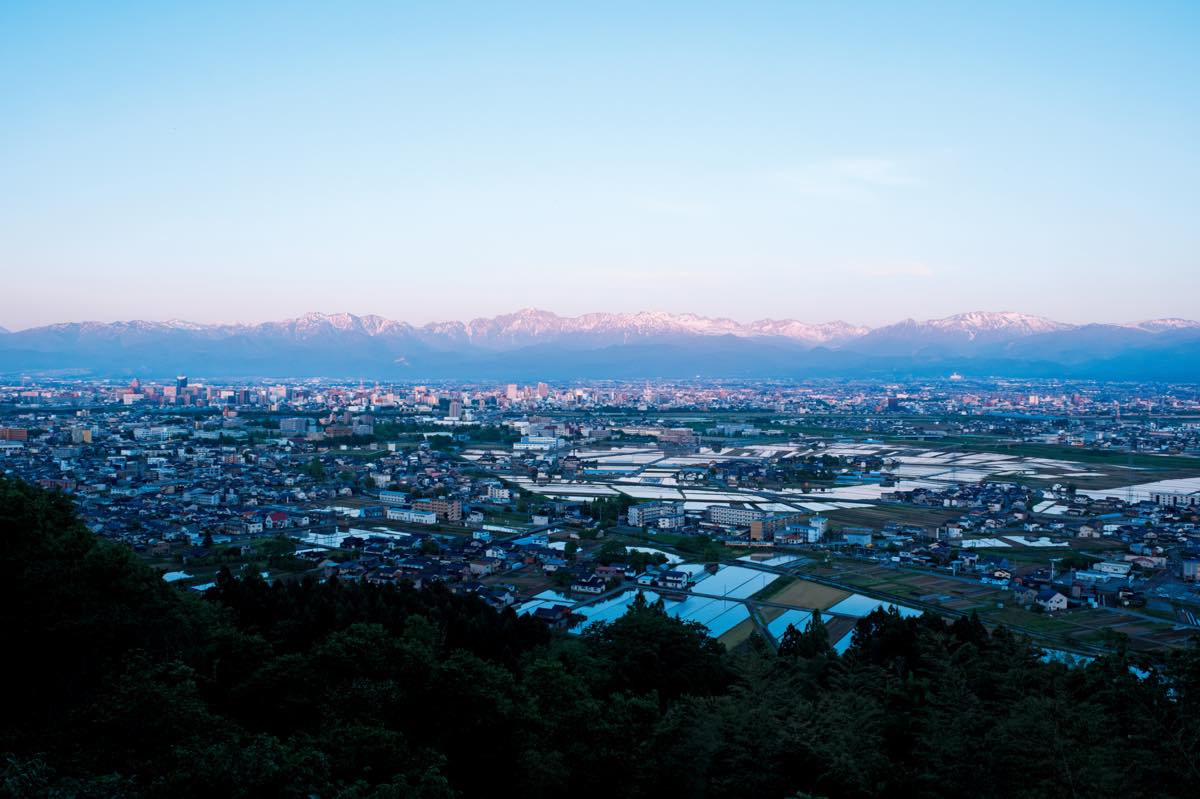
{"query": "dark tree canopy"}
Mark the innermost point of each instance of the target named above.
(123, 686)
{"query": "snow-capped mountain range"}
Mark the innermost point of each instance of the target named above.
(646, 343)
(532, 323)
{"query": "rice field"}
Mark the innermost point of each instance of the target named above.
(858, 606)
(796, 618)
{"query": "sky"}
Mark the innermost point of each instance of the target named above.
(248, 161)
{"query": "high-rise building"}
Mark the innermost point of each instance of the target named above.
(180, 382)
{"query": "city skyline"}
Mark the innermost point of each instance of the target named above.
(762, 161)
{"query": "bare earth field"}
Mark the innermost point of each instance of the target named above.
(806, 595)
(839, 626)
(527, 583)
(737, 634)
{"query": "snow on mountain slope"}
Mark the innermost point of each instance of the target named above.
(646, 342)
(1164, 325)
(976, 323)
(532, 326)
(826, 333)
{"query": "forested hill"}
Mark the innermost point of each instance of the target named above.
(122, 686)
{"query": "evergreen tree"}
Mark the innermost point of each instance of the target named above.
(812, 642)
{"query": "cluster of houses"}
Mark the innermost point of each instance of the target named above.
(143, 481)
(190, 476)
(482, 565)
(383, 557)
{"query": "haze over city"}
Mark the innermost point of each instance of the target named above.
(234, 162)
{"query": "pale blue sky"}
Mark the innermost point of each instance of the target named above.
(866, 161)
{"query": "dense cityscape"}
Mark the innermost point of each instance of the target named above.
(1068, 510)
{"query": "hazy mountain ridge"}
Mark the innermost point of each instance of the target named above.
(647, 343)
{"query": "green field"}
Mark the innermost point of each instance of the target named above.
(879, 515)
(775, 587)
(1139, 460)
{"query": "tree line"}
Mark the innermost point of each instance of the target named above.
(124, 686)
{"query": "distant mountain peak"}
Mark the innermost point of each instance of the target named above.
(961, 329)
(1165, 324)
(183, 324)
(821, 333)
(1008, 321)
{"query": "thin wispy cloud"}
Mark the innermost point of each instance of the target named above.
(846, 178)
(874, 172)
(677, 207)
(910, 270)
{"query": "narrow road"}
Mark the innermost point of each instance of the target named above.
(761, 626)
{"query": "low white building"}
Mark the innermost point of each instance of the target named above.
(410, 516)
